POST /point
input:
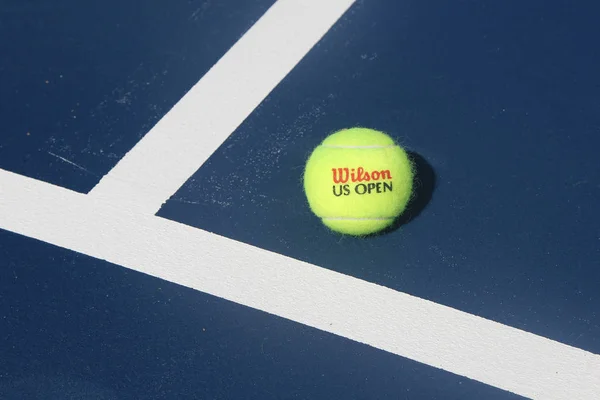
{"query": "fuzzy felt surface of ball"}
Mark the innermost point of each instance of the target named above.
(358, 181)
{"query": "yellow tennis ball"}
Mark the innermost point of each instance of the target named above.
(358, 181)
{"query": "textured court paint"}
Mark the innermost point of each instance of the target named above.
(405, 325)
(201, 121)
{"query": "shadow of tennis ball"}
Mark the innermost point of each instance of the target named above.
(423, 187)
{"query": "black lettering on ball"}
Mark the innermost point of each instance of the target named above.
(361, 188)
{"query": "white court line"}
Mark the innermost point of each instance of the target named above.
(408, 326)
(186, 136)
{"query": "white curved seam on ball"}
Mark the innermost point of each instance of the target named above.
(328, 146)
(357, 219)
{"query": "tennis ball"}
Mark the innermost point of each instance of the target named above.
(358, 181)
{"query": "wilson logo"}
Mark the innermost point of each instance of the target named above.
(353, 175)
(349, 181)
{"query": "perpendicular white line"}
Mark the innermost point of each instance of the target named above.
(202, 120)
(392, 321)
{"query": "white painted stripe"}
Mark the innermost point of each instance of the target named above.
(201, 121)
(408, 326)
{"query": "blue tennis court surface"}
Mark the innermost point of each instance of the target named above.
(497, 102)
